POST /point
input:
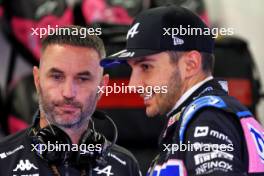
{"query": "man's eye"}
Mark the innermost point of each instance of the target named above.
(83, 79)
(145, 67)
(57, 77)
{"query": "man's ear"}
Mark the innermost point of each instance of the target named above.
(103, 84)
(36, 78)
(193, 63)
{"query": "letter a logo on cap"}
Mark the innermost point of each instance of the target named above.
(132, 31)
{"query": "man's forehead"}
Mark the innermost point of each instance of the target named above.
(68, 50)
(149, 58)
(136, 61)
(69, 55)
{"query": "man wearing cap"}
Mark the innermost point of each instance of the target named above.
(207, 131)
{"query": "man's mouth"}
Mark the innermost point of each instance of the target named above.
(68, 108)
(147, 98)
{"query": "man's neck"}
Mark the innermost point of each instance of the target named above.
(193, 81)
(188, 88)
(75, 133)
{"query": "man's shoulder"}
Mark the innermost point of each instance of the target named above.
(212, 112)
(13, 139)
(215, 116)
(216, 109)
(117, 152)
(123, 160)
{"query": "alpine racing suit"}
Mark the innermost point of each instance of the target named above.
(210, 134)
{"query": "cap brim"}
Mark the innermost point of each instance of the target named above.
(124, 55)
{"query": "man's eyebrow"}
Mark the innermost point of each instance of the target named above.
(84, 73)
(55, 70)
(142, 59)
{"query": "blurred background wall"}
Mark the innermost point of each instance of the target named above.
(247, 18)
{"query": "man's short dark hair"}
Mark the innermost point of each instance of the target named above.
(76, 39)
(207, 60)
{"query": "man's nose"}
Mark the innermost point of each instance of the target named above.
(69, 89)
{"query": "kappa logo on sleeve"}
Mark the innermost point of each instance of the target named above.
(25, 165)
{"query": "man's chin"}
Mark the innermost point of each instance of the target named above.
(66, 121)
(67, 124)
(151, 112)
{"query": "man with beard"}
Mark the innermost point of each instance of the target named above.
(207, 131)
(62, 140)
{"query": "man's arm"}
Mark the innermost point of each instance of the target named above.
(220, 145)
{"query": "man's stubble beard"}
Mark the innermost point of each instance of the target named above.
(166, 101)
(47, 107)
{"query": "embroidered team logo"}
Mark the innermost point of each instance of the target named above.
(174, 119)
(201, 131)
(171, 167)
(11, 152)
(258, 140)
(105, 171)
(123, 53)
(25, 165)
(133, 31)
(177, 40)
